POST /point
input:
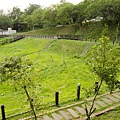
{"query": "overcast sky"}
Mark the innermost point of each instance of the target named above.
(8, 4)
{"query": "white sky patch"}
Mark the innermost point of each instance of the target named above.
(9, 4)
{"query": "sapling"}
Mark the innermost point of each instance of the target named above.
(18, 70)
(104, 61)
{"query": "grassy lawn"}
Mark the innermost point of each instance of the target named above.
(58, 67)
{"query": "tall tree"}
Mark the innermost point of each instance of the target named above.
(37, 17)
(14, 13)
(78, 13)
(107, 9)
(1, 12)
(31, 8)
(28, 19)
(64, 13)
(5, 22)
(49, 17)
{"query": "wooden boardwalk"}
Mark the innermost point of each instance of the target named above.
(77, 111)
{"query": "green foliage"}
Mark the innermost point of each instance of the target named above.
(31, 8)
(14, 13)
(104, 61)
(66, 13)
(17, 69)
(107, 9)
(37, 18)
(5, 22)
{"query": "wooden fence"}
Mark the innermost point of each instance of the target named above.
(70, 37)
(12, 39)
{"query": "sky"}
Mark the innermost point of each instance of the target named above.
(9, 4)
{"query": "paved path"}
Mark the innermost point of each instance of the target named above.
(77, 111)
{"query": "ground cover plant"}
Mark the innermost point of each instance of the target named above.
(58, 66)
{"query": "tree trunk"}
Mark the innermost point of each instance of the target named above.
(31, 102)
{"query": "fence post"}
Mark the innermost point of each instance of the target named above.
(78, 91)
(57, 98)
(96, 87)
(3, 112)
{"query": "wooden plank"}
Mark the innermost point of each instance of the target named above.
(101, 103)
(95, 105)
(73, 113)
(116, 95)
(56, 116)
(88, 106)
(80, 110)
(46, 117)
(113, 98)
(65, 115)
(108, 101)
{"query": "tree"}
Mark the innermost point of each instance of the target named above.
(37, 17)
(31, 8)
(107, 9)
(92, 10)
(28, 19)
(49, 17)
(104, 61)
(5, 22)
(18, 71)
(78, 13)
(14, 13)
(64, 13)
(1, 12)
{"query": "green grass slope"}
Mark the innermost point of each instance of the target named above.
(68, 29)
(58, 67)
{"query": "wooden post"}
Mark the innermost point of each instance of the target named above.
(78, 91)
(57, 98)
(3, 112)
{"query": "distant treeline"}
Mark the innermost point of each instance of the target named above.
(64, 13)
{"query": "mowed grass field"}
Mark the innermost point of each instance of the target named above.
(59, 66)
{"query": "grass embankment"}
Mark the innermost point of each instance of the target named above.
(88, 31)
(67, 29)
(58, 66)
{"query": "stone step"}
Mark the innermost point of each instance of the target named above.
(65, 115)
(47, 117)
(112, 98)
(73, 113)
(101, 103)
(107, 100)
(56, 116)
(80, 110)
